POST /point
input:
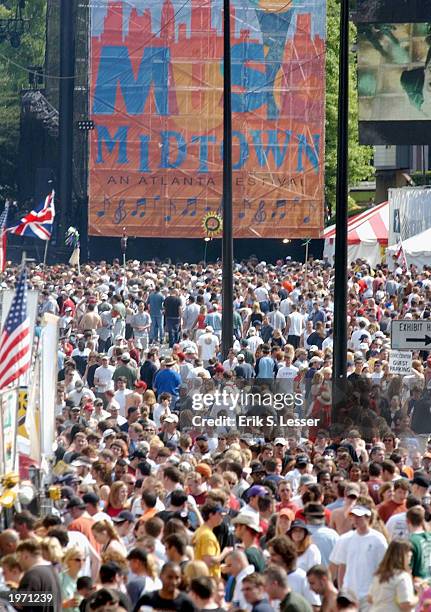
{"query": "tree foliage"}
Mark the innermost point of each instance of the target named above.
(360, 167)
(14, 77)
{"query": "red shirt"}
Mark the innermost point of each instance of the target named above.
(386, 509)
(289, 505)
(374, 485)
(68, 303)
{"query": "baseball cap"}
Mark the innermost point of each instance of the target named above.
(75, 502)
(171, 418)
(280, 441)
(360, 511)
(287, 512)
(301, 460)
(256, 467)
(124, 515)
(352, 491)
(257, 491)
(91, 498)
(306, 479)
(107, 433)
(421, 481)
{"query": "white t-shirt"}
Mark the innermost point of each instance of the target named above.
(288, 374)
(309, 558)
(299, 584)
(253, 343)
(387, 595)
(397, 526)
(296, 324)
(158, 410)
(104, 378)
(361, 558)
(208, 344)
(120, 397)
(261, 294)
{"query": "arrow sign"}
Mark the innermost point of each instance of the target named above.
(409, 334)
(426, 340)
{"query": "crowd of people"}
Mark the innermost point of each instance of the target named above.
(186, 480)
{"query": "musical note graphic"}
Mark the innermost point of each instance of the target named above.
(311, 208)
(120, 214)
(260, 214)
(172, 207)
(190, 208)
(140, 204)
(245, 205)
(106, 205)
(280, 205)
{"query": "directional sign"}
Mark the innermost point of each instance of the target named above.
(411, 335)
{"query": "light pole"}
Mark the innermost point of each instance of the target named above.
(340, 288)
(227, 241)
(67, 85)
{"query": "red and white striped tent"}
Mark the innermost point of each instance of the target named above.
(367, 235)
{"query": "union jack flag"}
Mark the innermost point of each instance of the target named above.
(37, 223)
(15, 340)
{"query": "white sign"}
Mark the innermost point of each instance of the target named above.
(411, 335)
(400, 363)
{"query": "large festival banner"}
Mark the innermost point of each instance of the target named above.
(156, 98)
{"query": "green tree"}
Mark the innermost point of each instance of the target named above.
(14, 77)
(360, 157)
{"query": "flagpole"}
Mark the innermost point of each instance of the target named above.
(45, 255)
(307, 242)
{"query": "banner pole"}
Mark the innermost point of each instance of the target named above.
(227, 240)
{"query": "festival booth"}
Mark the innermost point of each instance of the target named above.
(367, 235)
(417, 249)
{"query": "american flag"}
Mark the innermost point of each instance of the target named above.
(15, 340)
(401, 256)
(3, 236)
(37, 223)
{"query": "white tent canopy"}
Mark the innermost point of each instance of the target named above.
(417, 249)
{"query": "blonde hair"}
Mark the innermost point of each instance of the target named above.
(51, 550)
(106, 526)
(317, 378)
(71, 553)
(195, 569)
(116, 557)
(149, 397)
(247, 456)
